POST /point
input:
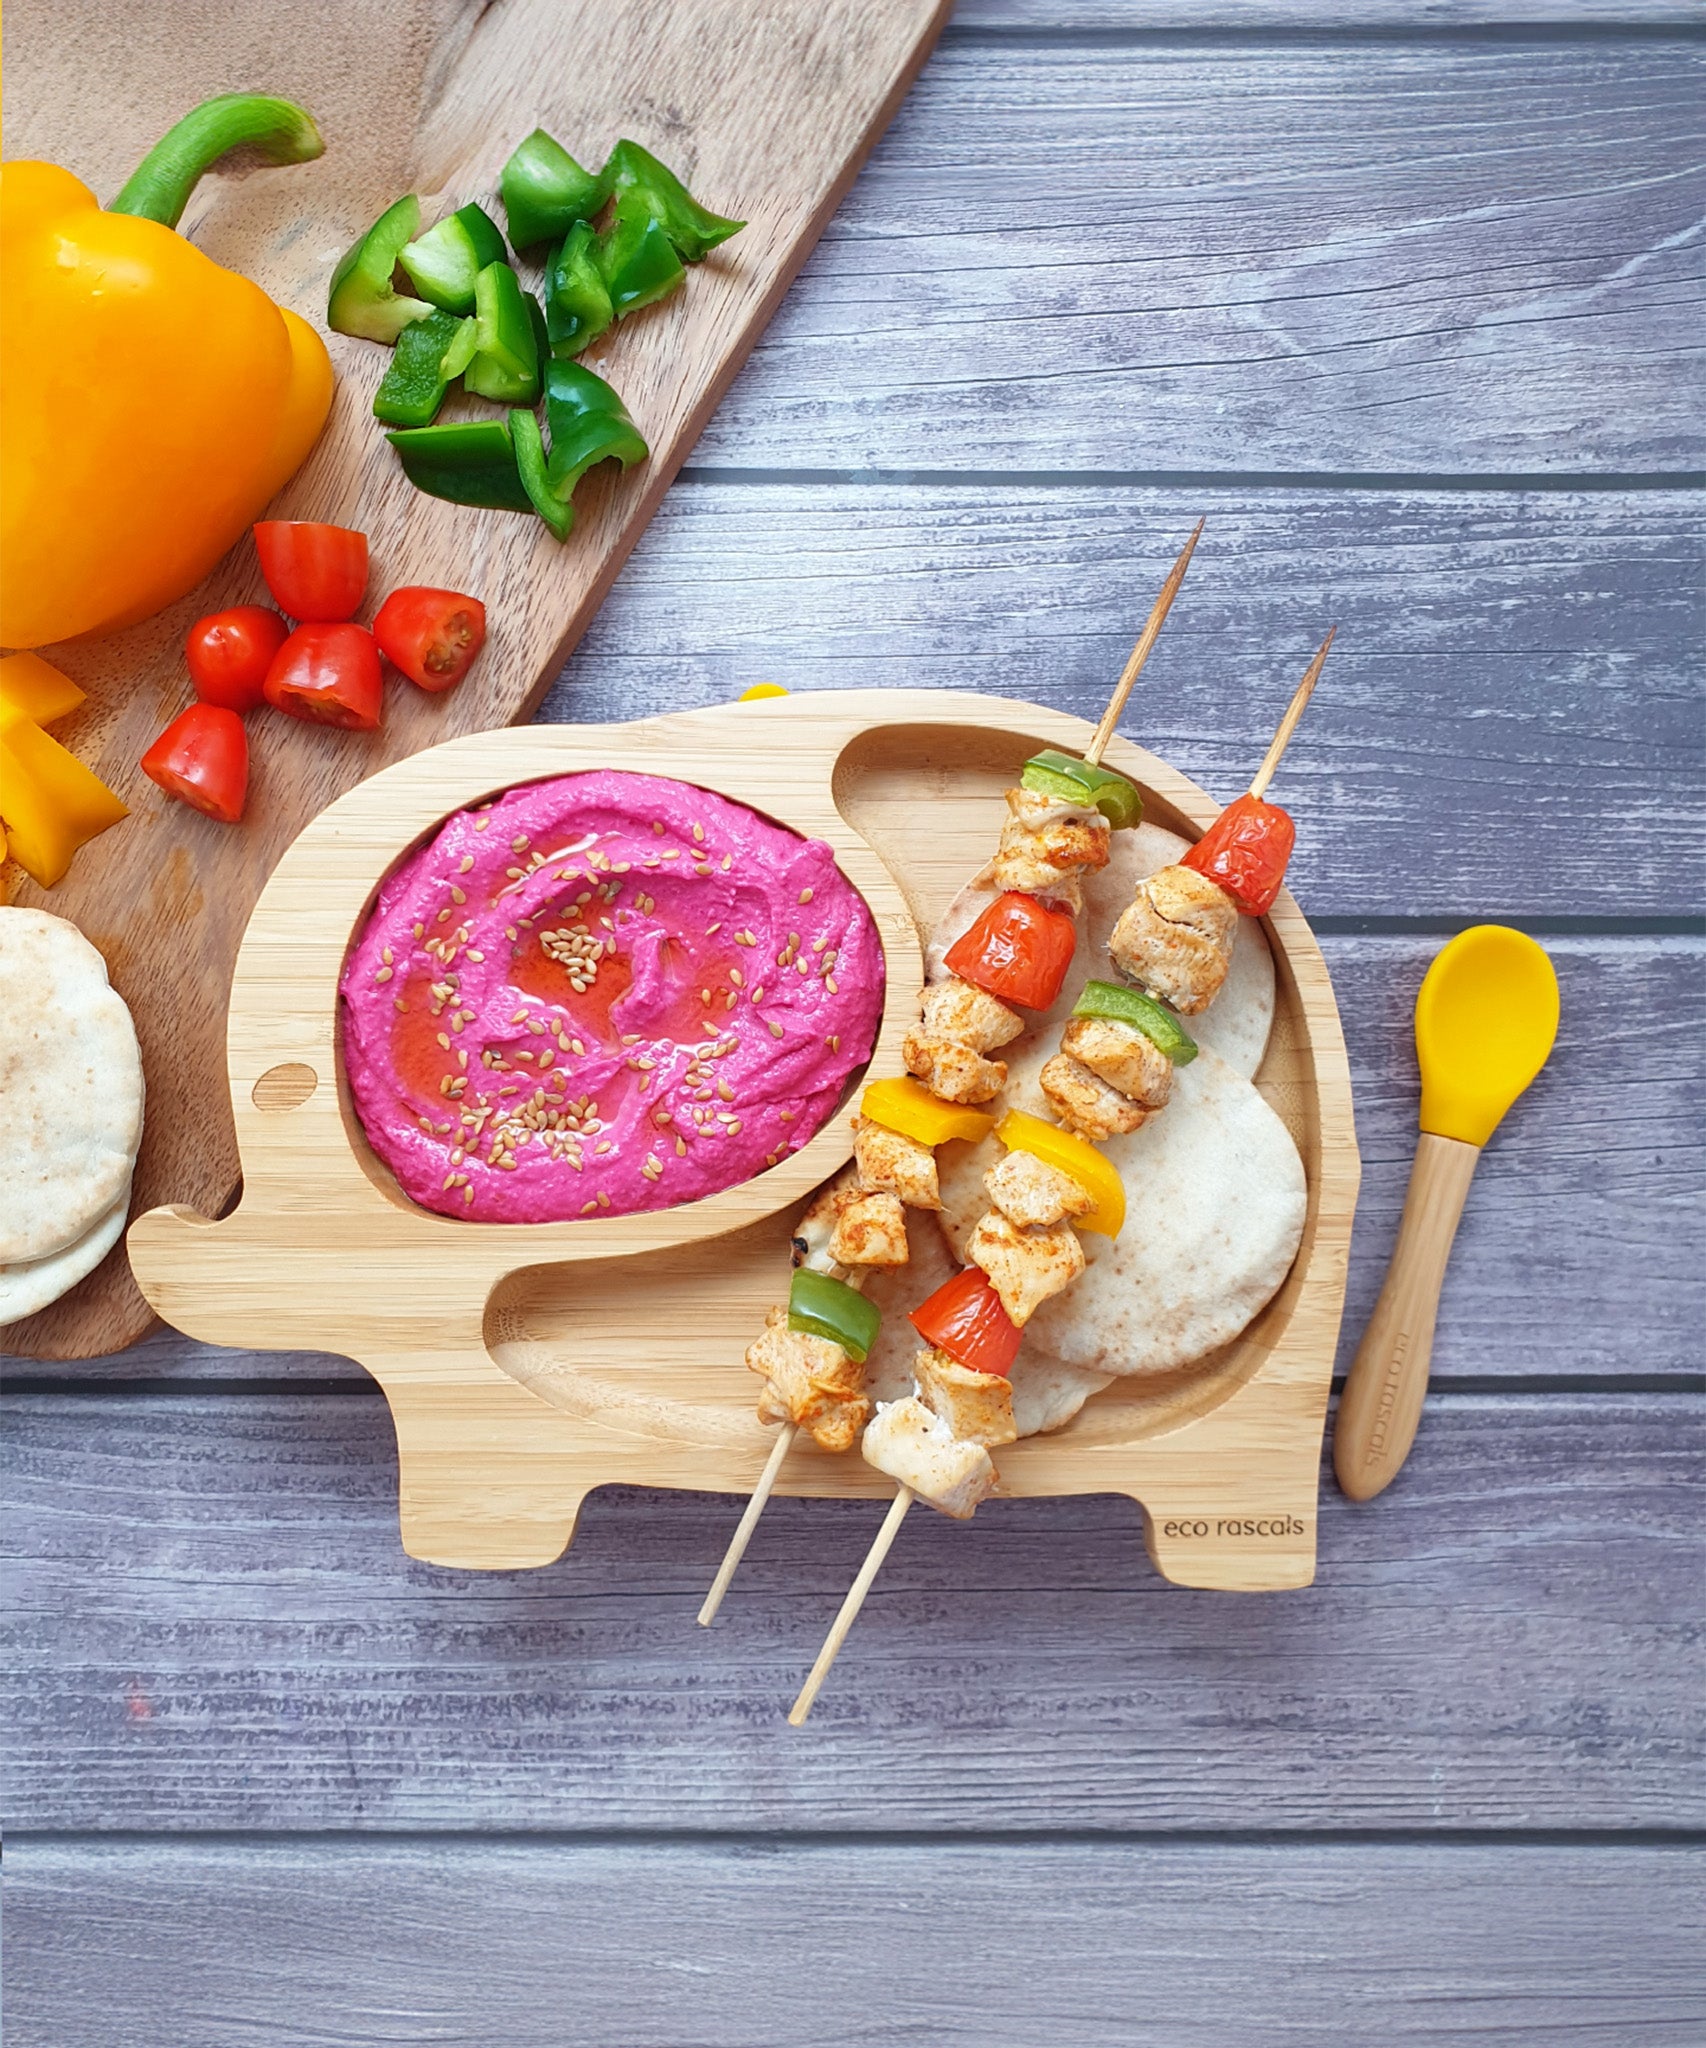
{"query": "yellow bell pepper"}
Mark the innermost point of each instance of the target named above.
(907, 1106)
(36, 688)
(49, 802)
(1074, 1156)
(151, 402)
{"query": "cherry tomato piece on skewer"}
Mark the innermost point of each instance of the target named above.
(1245, 850)
(316, 572)
(229, 654)
(964, 1318)
(433, 636)
(328, 674)
(1018, 951)
(202, 758)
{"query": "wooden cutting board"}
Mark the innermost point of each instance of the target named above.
(766, 110)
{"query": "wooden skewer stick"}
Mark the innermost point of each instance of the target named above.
(748, 1522)
(1145, 640)
(850, 1607)
(1293, 712)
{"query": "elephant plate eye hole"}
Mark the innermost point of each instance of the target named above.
(286, 1087)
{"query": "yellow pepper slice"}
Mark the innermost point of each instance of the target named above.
(907, 1106)
(36, 688)
(1075, 1156)
(50, 803)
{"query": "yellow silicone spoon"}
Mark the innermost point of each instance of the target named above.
(1485, 1021)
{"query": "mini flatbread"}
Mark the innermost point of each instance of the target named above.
(71, 1082)
(1047, 1392)
(39, 1282)
(1235, 1025)
(1215, 1201)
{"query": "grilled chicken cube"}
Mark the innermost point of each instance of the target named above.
(1085, 1103)
(1175, 937)
(890, 1163)
(916, 1448)
(809, 1380)
(1033, 1194)
(951, 1070)
(976, 1406)
(1046, 842)
(817, 1226)
(1122, 1056)
(1025, 1267)
(870, 1230)
(954, 1009)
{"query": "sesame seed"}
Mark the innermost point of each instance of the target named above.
(835, 1041)
(699, 834)
(480, 824)
(728, 862)
(588, 1207)
(732, 998)
(604, 1200)
(701, 867)
(725, 1091)
(462, 1056)
(805, 895)
(514, 874)
(737, 977)
(384, 974)
(758, 993)
(657, 826)
(576, 1046)
(397, 1003)
(474, 953)
(830, 983)
(674, 853)
(520, 843)
(465, 863)
(467, 1191)
(444, 1039)
(457, 893)
(775, 1028)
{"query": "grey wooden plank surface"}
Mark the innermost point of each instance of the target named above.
(1614, 1257)
(212, 1616)
(701, 1946)
(1510, 723)
(1066, 18)
(1375, 256)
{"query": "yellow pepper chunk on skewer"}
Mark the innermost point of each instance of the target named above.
(907, 1106)
(1074, 1156)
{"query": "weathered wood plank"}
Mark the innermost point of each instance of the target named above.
(1426, 256)
(1510, 724)
(1066, 18)
(212, 1615)
(688, 1946)
(1610, 1261)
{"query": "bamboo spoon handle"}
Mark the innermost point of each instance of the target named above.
(1382, 1402)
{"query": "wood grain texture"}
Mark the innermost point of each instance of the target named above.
(1615, 1255)
(1378, 256)
(768, 113)
(212, 1615)
(609, 1946)
(525, 1364)
(1510, 725)
(1066, 18)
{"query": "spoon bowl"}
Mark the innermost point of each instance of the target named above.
(1486, 1019)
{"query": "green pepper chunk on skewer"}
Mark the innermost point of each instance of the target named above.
(820, 1306)
(1052, 773)
(1131, 1006)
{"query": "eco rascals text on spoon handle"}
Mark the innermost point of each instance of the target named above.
(1382, 1402)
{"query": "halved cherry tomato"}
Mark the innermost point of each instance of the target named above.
(328, 674)
(964, 1318)
(1018, 950)
(431, 635)
(202, 758)
(229, 654)
(1245, 850)
(316, 572)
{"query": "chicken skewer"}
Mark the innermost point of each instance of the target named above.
(1049, 836)
(1025, 1246)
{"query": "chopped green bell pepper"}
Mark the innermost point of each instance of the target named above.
(362, 300)
(589, 424)
(444, 263)
(577, 300)
(545, 191)
(1131, 1006)
(1052, 773)
(693, 230)
(505, 366)
(470, 462)
(823, 1307)
(637, 257)
(557, 513)
(413, 388)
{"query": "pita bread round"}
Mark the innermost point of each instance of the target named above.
(1235, 1025)
(38, 1282)
(1215, 1201)
(71, 1080)
(1047, 1392)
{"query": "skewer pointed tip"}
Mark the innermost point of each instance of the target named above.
(1145, 641)
(1293, 712)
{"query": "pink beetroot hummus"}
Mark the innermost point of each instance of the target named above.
(603, 993)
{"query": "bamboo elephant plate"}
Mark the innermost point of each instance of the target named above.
(526, 1364)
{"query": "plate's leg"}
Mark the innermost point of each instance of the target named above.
(489, 1476)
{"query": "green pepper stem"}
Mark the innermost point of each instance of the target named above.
(160, 186)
